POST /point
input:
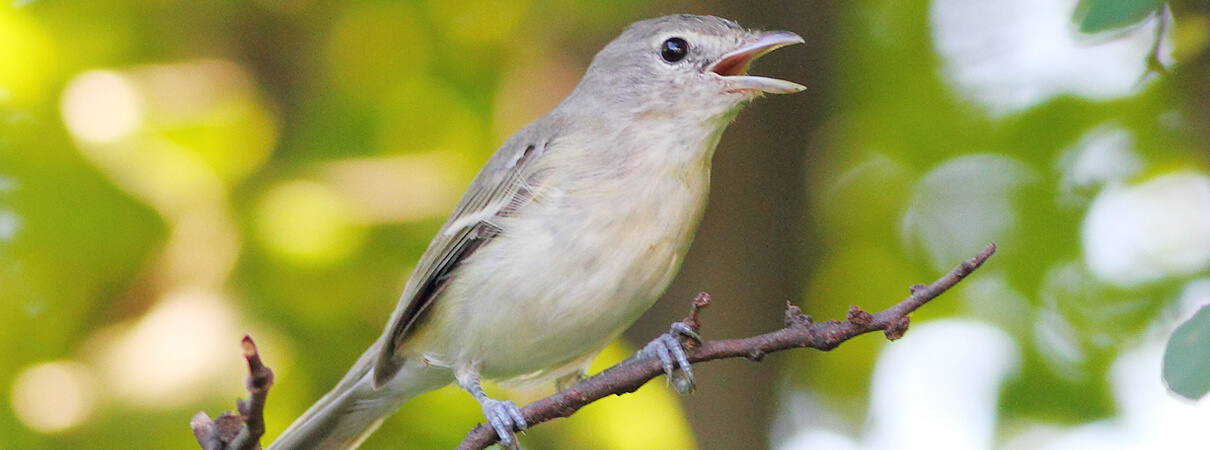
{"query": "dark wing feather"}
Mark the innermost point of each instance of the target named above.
(501, 186)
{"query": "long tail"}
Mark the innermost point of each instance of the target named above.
(353, 409)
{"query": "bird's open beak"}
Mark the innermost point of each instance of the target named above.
(733, 66)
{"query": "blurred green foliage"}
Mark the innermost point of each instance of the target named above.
(913, 176)
(174, 174)
(1101, 15)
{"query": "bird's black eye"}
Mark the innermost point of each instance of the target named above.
(674, 49)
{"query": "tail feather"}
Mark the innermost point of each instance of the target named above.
(346, 415)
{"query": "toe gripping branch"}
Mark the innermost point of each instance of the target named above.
(670, 347)
(504, 417)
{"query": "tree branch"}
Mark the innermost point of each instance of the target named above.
(240, 431)
(799, 331)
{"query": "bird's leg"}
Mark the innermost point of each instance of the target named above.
(671, 353)
(503, 416)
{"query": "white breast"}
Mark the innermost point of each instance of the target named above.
(577, 265)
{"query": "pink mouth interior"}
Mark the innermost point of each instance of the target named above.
(734, 65)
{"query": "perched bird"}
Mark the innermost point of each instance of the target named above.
(570, 232)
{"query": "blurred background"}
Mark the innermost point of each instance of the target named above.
(175, 174)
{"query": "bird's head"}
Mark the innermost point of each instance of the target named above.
(696, 66)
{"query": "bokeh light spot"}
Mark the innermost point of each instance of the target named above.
(1058, 342)
(101, 107)
(401, 188)
(938, 387)
(166, 357)
(10, 224)
(174, 135)
(1010, 55)
(213, 110)
(1104, 155)
(53, 397)
(961, 205)
(26, 58)
(1160, 228)
(307, 224)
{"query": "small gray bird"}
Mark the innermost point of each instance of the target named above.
(570, 232)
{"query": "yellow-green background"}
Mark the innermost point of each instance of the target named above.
(276, 167)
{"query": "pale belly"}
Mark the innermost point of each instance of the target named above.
(555, 288)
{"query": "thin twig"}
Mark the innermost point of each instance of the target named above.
(1154, 63)
(799, 331)
(242, 431)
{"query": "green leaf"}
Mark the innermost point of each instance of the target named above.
(1095, 16)
(1187, 358)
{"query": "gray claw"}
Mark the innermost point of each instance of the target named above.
(672, 356)
(660, 347)
(504, 417)
(684, 329)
